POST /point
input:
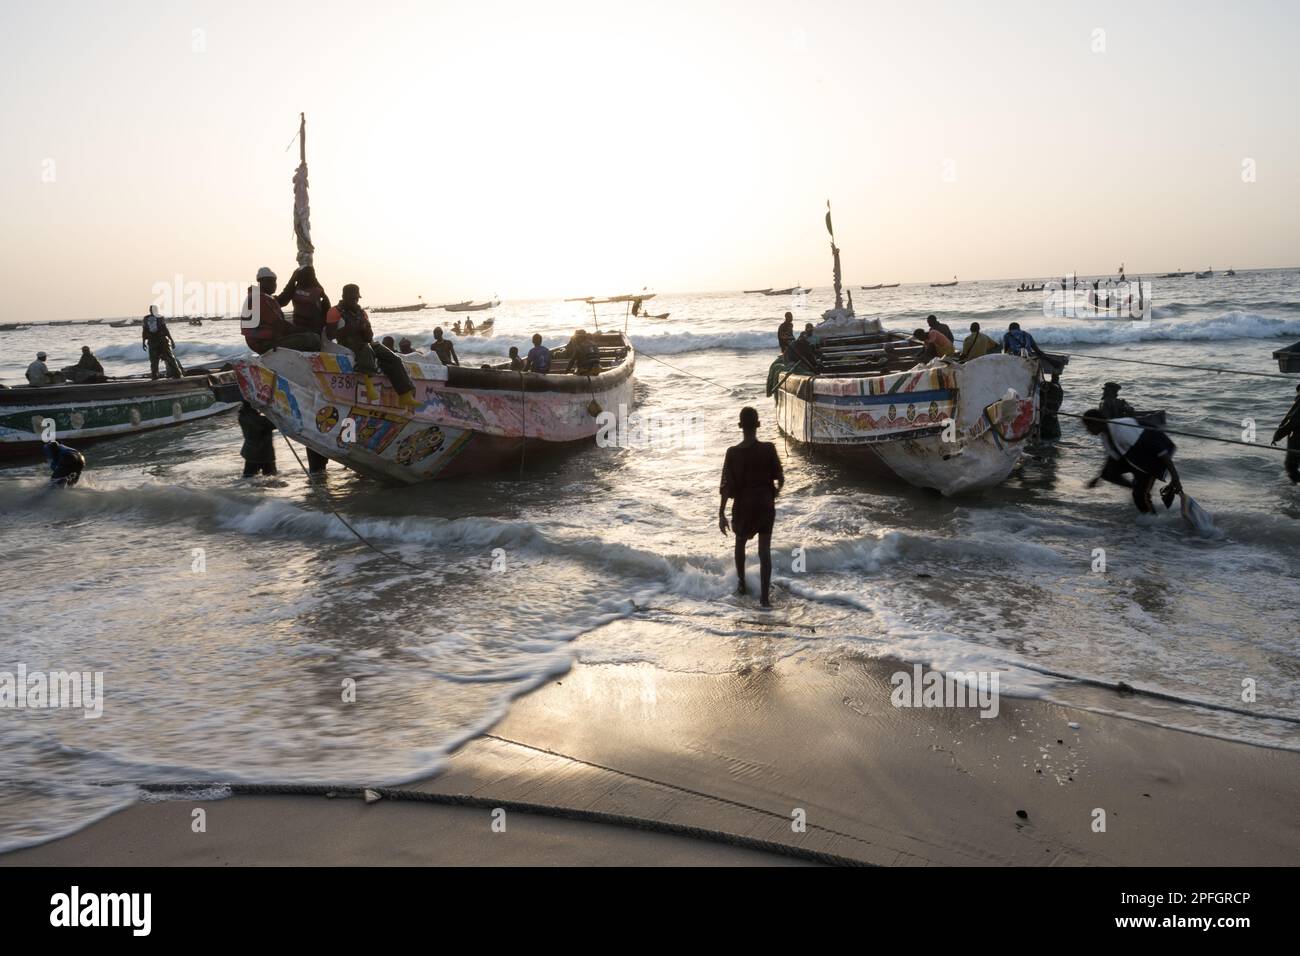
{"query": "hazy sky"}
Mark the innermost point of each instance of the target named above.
(552, 148)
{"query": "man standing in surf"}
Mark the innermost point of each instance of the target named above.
(752, 476)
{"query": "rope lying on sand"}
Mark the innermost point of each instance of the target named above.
(518, 806)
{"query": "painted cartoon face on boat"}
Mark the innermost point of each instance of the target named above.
(419, 446)
(326, 418)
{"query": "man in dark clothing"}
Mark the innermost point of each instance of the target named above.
(310, 303)
(157, 339)
(1132, 449)
(516, 363)
(87, 370)
(539, 357)
(934, 323)
(258, 450)
(349, 324)
(785, 336)
(804, 352)
(752, 476)
(263, 322)
(444, 349)
(65, 464)
(1049, 423)
(1112, 406)
(1290, 430)
(584, 356)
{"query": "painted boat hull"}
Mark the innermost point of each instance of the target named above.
(466, 421)
(898, 422)
(87, 413)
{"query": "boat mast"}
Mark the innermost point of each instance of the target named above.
(301, 204)
(835, 257)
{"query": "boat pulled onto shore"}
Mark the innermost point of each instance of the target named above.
(955, 427)
(464, 421)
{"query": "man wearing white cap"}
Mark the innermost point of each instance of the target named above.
(38, 373)
(263, 322)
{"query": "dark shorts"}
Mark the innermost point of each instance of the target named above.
(753, 514)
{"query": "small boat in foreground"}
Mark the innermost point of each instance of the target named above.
(120, 406)
(466, 420)
(1288, 359)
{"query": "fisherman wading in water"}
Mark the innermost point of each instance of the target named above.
(752, 475)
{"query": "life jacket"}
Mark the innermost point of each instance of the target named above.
(260, 326)
(349, 325)
(307, 312)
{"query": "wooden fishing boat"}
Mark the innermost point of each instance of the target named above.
(872, 403)
(870, 288)
(398, 308)
(942, 285)
(484, 329)
(758, 291)
(890, 285)
(120, 406)
(1288, 359)
(951, 426)
(790, 291)
(466, 420)
(472, 306)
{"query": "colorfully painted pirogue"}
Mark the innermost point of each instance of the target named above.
(466, 420)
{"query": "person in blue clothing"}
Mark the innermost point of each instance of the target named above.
(1017, 341)
(539, 357)
(65, 464)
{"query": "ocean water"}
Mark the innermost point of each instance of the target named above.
(237, 671)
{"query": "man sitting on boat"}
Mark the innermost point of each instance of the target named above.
(539, 357)
(443, 348)
(932, 322)
(65, 463)
(976, 344)
(516, 363)
(804, 349)
(937, 345)
(584, 356)
(264, 325)
(310, 303)
(1018, 342)
(38, 373)
(348, 324)
(157, 339)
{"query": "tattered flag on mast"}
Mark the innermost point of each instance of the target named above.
(835, 256)
(301, 205)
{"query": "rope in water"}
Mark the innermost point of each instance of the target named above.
(1194, 368)
(727, 388)
(1203, 437)
(557, 811)
(357, 534)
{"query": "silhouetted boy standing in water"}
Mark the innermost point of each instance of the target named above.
(752, 475)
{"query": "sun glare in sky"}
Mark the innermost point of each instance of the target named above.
(545, 150)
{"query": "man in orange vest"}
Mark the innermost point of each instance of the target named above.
(264, 325)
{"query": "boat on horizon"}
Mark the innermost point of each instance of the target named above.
(384, 310)
(470, 306)
(758, 291)
(790, 291)
(94, 411)
(1207, 274)
(943, 285)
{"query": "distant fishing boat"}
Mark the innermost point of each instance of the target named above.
(1207, 274)
(120, 406)
(869, 288)
(484, 329)
(126, 323)
(954, 427)
(758, 291)
(890, 285)
(1175, 275)
(790, 291)
(399, 308)
(1231, 272)
(473, 306)
(943, 285)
